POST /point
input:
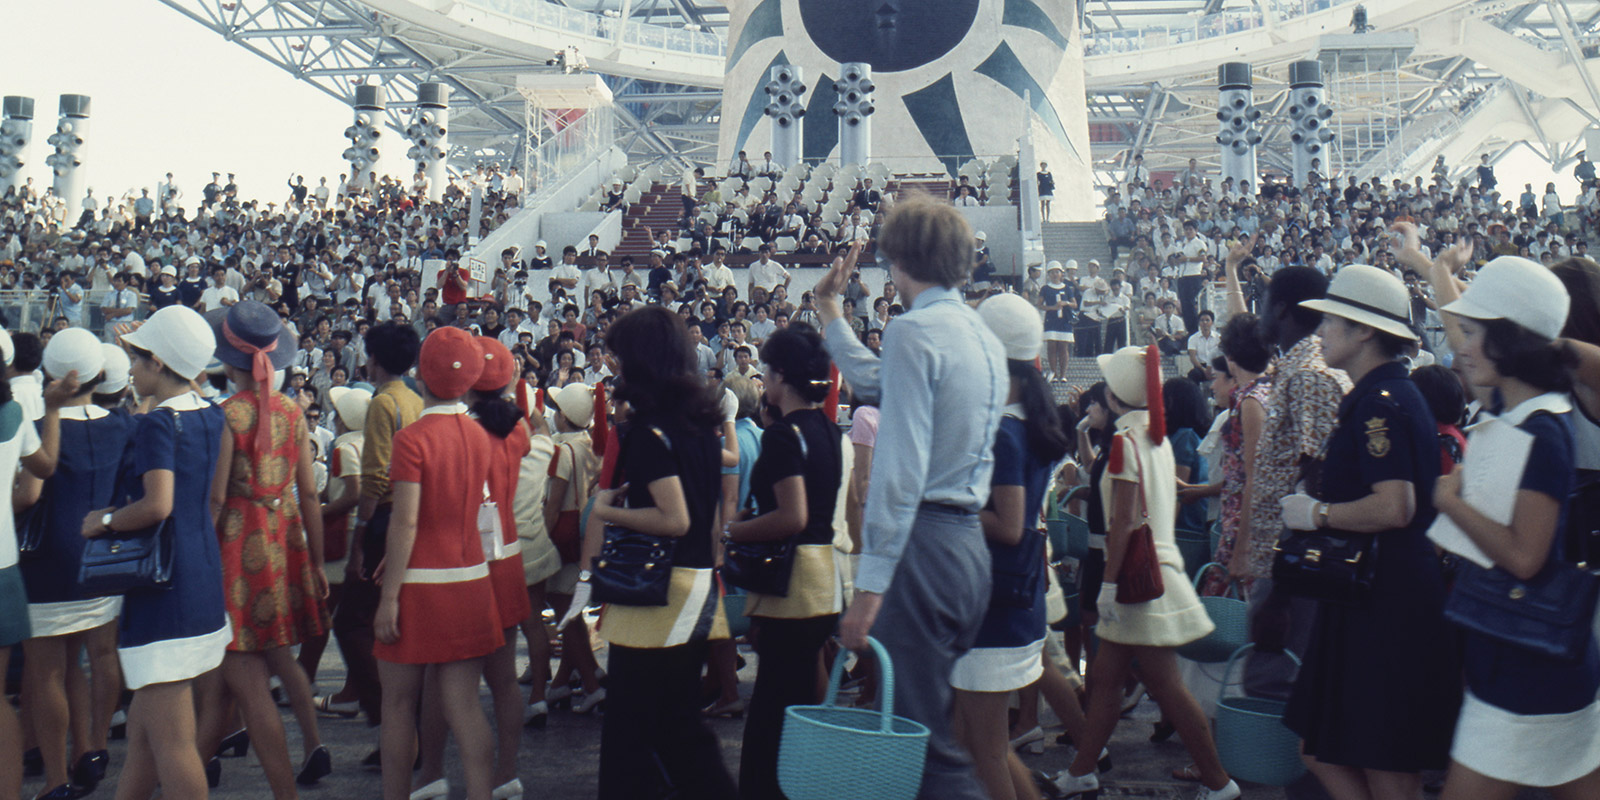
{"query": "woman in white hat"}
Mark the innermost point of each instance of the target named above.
(1140, 488)
(169, 637)
(1374, 699)
(1006, 656)
(90, 452)
(1528, 719)
(1059, 299)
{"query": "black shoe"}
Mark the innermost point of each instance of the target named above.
(66, 791)
(32, 763)
(318, 766)
(235, 745)
(214, 772)
(91, 769)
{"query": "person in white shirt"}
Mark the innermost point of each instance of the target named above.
(1170, 335)
(595, 279)
(512, 184)
(219, 294)
(1206, 344)
(766, 274)
(120, 303)
(717, 274)
(1194, 251)
(763, 326)
(566, 273)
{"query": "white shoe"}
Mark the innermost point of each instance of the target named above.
(1033, 740)
(1085, 786)
(1132, 698)
(534, 715)
(1229, 792)
(510, 790)
(439, 788)
(590, 701)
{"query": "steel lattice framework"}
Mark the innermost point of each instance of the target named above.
(1473, 62)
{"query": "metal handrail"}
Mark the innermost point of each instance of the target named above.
(599, 26)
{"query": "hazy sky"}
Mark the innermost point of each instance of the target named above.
(170, 95)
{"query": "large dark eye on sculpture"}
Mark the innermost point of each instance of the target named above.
(891, 35)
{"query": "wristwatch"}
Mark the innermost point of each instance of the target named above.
(105, 520)
(583, 576)
(1320, 515)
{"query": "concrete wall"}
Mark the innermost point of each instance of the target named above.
(524, 227)
(999, 223)
(573, 227)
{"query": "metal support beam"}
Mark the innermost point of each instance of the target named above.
(1521, 96)
(1562, 17)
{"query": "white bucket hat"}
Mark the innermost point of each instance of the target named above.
(180, 337)
(1370, 296)
(74, 350)
(116, 369)
(1016, 323)
(1126, 376)
(351, 405)
(1517, 289)
(575, 401)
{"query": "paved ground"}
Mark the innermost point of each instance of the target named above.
(560, 761)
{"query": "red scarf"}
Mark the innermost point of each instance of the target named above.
(261, 370)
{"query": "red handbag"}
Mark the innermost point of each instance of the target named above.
(1140, 578)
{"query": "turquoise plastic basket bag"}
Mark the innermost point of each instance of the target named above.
(733, 605)
(828, 752)
(1251, 739)
(1230, 615)
(1195, 546)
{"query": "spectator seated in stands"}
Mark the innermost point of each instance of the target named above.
(866, 198)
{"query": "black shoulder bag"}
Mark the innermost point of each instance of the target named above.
(1328, 566)
(762, 567)
(634, 569)
(122, 561)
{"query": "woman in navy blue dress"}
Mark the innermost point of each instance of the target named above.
(1007, 654)
(1375, 698)
(64, 622)
(170, 636)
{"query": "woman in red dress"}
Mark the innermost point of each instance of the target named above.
(437, 607)
(508, 443)
(271, 545)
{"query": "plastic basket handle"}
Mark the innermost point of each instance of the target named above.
(1222, 688)
(1233, 585)
(886, 667)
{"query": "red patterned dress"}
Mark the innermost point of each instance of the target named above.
(267, 571)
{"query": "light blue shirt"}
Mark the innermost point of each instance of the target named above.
(942, 371)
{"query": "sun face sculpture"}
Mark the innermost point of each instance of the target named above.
(891, 35)
(951, 76)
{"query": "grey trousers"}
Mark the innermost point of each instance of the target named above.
(930, 617)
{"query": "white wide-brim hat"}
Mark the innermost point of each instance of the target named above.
(1125, 375)
(74, 350)
(1520, 290)
(180, 337)
(575, 401)
(1371, 296)
(1016, 323)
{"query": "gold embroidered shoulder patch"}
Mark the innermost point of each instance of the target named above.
(1378, 437)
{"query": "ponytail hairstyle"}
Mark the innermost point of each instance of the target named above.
(1046, 437)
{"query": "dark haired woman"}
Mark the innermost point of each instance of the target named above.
(1528, 719)
(1582, 279)
(1374, 699)
(168, 637)
(1188, 420)
(668, 478)
(795, 483)
(1006, 656)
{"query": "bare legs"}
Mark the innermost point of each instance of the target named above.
(538, 642)
(297, 685)
(1353, 783)
(10, 741)
(1159, 669)
(245, 677)
(980, 723)
(1462, 783)
(500, 671)
(577, 651)
(58, 698)
(161, 745)
(458, 692)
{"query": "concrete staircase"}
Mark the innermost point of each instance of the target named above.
(659, 208)
(1079, 240)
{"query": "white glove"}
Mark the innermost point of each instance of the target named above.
(580, 601)
(1106, 604)
(729, 405)
(1299, 512)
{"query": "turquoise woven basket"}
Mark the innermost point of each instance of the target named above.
(733, 604)
(1251, 739)
(1195, 547)
(1230, 615)
(828, 752)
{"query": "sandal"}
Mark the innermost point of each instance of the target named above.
(327, 705)
(1190, 773)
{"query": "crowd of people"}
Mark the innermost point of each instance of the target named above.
(327, 428)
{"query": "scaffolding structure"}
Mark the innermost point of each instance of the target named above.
(569, 120)
(1367, 92)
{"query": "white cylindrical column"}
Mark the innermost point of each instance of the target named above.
(1309, 115)
(1237, 115)
(67, 161)
(786, 91)
(429, 133)
(363, 135)
(16, 128)
(854, 109)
